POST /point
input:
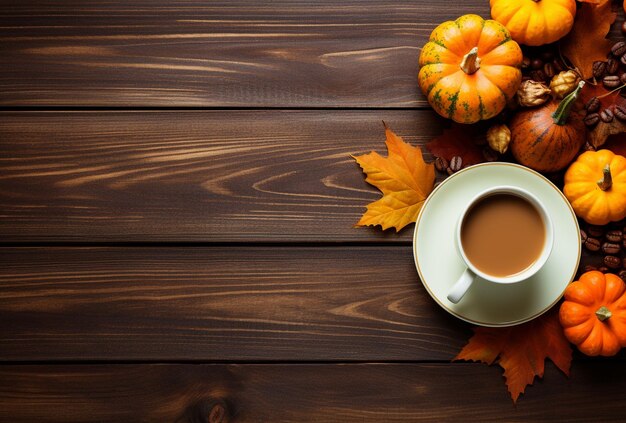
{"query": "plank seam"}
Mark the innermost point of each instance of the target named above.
(192, 108)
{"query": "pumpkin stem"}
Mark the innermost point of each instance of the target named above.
(471, 62)
(565, 106)
(603, 313)
(607, 180)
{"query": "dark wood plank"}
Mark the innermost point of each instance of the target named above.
(220, 303)
(289, 53)
(214, 176)
(305, 393)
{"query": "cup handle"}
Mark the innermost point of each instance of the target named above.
(461, 286)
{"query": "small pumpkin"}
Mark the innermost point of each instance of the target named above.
(593, 314)
(595, 185)
(544, 138)
(469, 69)
(535, 22)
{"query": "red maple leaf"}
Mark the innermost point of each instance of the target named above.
(457, 141)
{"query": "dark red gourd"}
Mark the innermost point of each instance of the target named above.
(547, 138)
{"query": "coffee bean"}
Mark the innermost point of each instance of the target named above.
(620, 112)
(583, 236)
(622, 274)
(592, 244)
(441, 164)
(548, 69)
(612, 65)
(489, 155)
(614, 235)
(538, 75)
(599, 69)
(623, 59)
(618, 48)
(611, 81)
(612, 262)
(611, 248)
(547, 55)
(624, 262)
(525, 62)
(603, 269)
(595, 231)
(558, 66)
(456, 163)
(606, 115)
(589, 268)
(593, 105)
(592, 119)
(622, 78)
(536, 64)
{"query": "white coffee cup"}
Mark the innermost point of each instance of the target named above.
(466, 279)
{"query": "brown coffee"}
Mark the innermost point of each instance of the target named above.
(502, 235)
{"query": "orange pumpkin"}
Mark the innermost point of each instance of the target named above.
(535, 22)
(470, 68)
(544, 138)
(593, 314)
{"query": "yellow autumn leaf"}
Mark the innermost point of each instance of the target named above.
(404, 179)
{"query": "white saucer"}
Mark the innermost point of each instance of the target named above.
(486, 303)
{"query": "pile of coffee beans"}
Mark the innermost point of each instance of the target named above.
(612, 74)
(454, 165)
(607, 247)
(541, 63)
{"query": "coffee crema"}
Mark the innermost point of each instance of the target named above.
(502, 235)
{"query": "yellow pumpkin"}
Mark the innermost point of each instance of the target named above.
(595, 185)
(469, 69)
(535, 22)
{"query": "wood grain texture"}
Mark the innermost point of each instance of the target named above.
(242, 53)
(211, 176)
(305, 393)
(220, 303)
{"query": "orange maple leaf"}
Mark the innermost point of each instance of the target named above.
(521, 350)
(587, 42)
(404, 179)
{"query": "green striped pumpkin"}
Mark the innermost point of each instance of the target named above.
(470, 68)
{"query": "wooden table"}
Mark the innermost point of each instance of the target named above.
(177, 208)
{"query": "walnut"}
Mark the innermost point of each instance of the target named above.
(499, 137)
(531, 93)
(564, 83)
